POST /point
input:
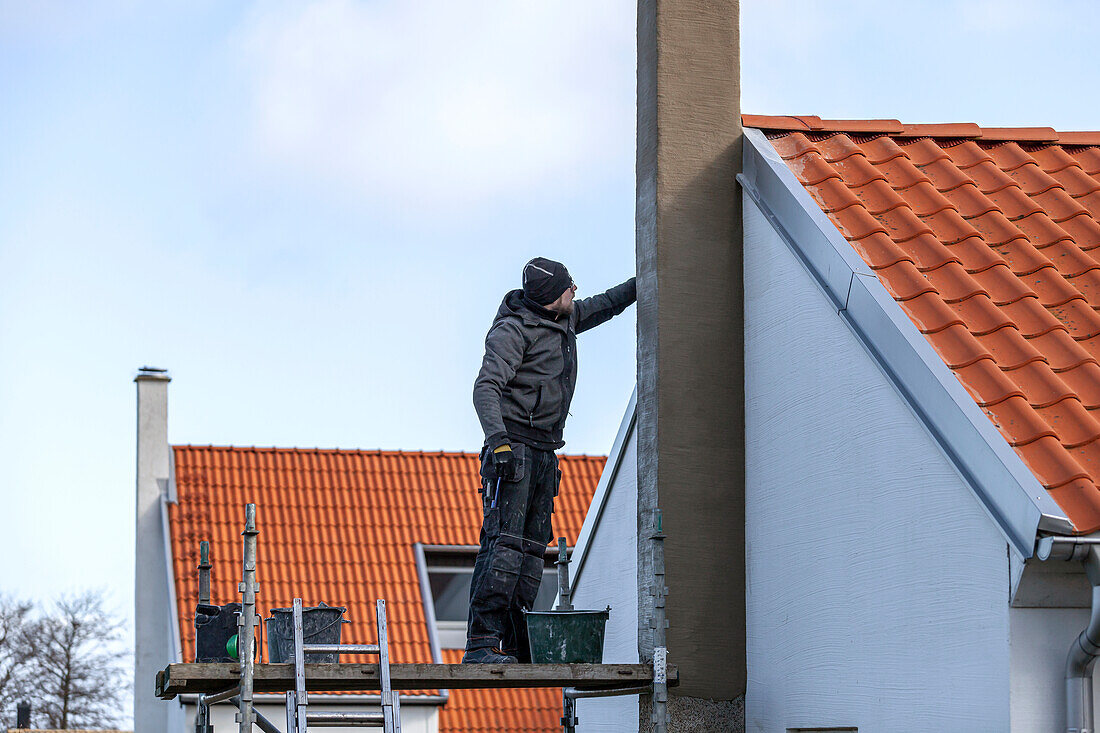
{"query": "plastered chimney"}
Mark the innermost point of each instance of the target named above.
(154, 634)
(690, 354)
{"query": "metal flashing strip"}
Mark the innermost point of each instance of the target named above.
(428, 601)
(173, 617)
(1005, 487)
(603, 491)
(799, 220)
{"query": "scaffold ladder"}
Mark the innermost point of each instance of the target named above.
(299, 717)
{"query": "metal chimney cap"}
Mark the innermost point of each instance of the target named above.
(152, 373)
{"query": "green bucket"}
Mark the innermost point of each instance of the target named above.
(566, 637)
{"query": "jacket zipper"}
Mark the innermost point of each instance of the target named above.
(538, 401)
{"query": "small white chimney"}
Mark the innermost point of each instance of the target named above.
(154, 635)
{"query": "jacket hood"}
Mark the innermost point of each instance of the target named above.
(514, 306)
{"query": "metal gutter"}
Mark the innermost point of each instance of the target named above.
(1080, 662)
(1005, 487)
(603, 492)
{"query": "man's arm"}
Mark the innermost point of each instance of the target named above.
(601, 308)
(503, 353)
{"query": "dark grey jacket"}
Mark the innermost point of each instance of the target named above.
(529, 372)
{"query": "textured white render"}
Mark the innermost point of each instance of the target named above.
(607, 562)
(155, 630)
(877, 585)
(1040, 642)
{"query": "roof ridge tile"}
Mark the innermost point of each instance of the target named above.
(1016, 134)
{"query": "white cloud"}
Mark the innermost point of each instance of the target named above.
(440, 101)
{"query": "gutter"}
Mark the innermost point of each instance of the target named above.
(1080, 662)
(1003, 485)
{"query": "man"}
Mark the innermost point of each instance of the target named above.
(522, 397)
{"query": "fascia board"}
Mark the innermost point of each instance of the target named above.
(1005, 487)
(603, 492)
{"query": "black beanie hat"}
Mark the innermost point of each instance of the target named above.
(545, 280)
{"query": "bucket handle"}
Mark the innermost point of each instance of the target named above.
(327, 627)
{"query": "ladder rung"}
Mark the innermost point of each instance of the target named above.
(322, 719)
(341, 648)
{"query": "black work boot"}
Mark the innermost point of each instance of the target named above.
(487, 655)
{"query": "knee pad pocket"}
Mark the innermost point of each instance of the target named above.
(530, 578)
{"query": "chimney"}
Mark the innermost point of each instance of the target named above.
(23, 716)
(691, 480)
(153, 637)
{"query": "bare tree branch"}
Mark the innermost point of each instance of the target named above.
(18, 648)
(79, 665)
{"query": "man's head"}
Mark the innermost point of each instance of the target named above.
(548, 284)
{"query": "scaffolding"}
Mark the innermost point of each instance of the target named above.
(236, 683)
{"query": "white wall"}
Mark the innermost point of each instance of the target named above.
(414, 718)
(877, 586)
(609, 577)
(155, 630)
(1050, 609)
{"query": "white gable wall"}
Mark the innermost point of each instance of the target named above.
(608, 577)
(877, 584)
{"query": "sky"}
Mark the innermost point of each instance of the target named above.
(309, 211)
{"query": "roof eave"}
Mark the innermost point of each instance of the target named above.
(1004, 486)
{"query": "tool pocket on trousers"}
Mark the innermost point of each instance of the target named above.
(521, 454)
(491, 524)
(557, 480)
(530, 579)
(504, 571)
(486, 464)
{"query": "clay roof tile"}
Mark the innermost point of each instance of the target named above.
(985, 236)
(340, 526)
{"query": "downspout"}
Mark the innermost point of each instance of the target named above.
(1082, 655)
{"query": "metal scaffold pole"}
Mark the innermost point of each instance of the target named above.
(660, 629)
(247, 621)
(204, 572)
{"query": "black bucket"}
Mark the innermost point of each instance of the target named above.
(320, 625)
(214, 627)
(566, 637)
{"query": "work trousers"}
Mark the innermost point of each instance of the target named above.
(515, 531)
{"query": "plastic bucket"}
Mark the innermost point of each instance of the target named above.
(566, 637)
(214, 627)
(320, 625)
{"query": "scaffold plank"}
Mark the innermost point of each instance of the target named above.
(181, 679)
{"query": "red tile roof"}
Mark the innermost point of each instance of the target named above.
(988, 239)
(340, 526)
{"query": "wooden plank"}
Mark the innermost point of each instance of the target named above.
(179, 679)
